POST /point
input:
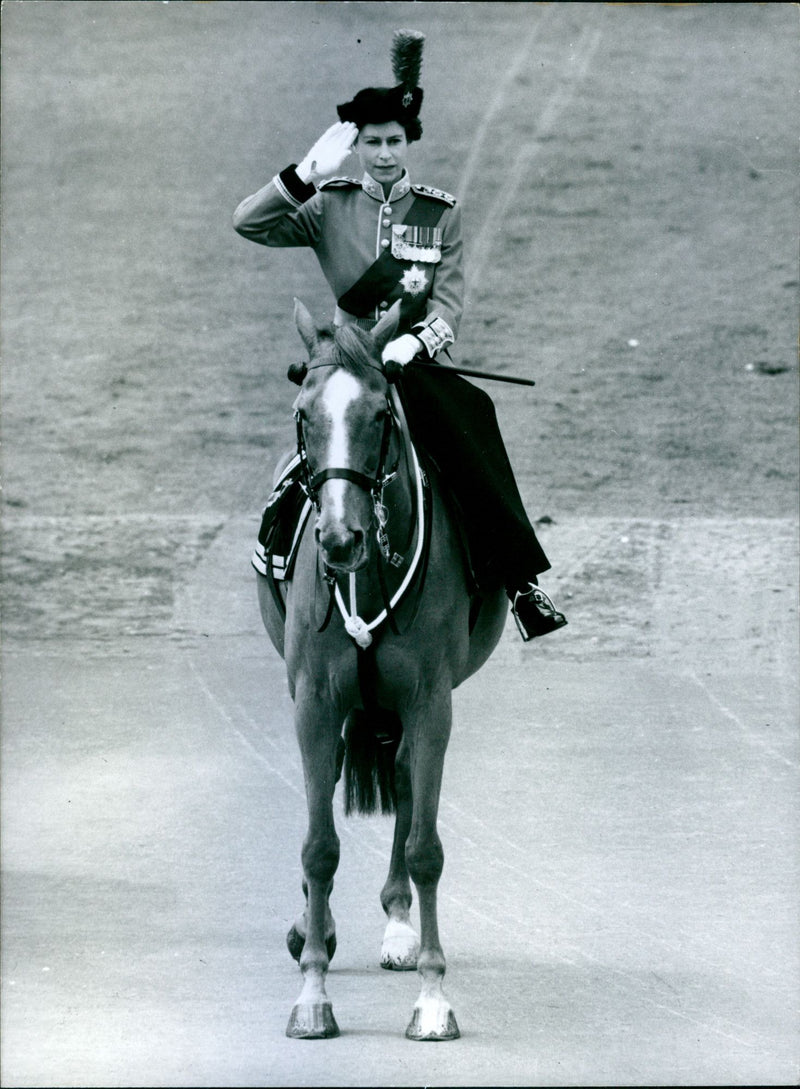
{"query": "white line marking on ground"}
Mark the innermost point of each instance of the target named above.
(751, 736)
(219, 707)
(522, 58)
(343, 826)
(554, 106)
(555, 883)
(524, 936)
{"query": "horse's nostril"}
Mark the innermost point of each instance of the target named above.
(340, 544)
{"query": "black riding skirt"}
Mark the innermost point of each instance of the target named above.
(454, 424)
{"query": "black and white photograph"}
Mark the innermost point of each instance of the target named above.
(400, 544)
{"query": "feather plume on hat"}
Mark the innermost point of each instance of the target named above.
(407, 57)
(401, 103)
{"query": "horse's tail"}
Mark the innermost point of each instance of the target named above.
(371, 742)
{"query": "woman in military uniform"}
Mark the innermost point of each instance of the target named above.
(381, 239)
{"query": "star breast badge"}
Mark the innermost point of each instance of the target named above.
(414, 280)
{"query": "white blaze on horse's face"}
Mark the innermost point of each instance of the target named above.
(339, 437)
(341, 390)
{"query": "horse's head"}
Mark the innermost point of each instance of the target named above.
(344, 425)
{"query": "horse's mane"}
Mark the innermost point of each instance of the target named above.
(352, 350)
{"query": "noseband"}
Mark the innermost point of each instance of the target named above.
(373, 485)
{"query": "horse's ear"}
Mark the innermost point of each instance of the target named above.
(297, 373)
(385, 329)
(305, 326)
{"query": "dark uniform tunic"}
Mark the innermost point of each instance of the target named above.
(353, 228)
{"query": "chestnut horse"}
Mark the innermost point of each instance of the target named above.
(377, 625)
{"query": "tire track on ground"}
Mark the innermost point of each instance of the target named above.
(748, 734)
(554, 106)
(496, 104)
(500, 852)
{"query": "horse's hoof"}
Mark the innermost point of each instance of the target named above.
(400, 947)
(433, 1023)
(314, 1022)
(295, 942)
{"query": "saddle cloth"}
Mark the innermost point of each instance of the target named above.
(282, 525)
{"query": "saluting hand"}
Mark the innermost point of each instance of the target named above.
(329, 152)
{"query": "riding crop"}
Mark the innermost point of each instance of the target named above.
(394, 370)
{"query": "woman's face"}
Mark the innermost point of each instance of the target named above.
(382, 150)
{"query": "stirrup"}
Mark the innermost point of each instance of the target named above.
(535, 614)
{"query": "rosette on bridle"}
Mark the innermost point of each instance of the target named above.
(401, 103)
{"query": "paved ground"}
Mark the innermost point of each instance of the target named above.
(620, 891)
(620, 810)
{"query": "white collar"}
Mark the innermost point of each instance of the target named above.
(375, 189)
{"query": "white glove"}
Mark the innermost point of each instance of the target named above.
(329, 152)
(402, 350)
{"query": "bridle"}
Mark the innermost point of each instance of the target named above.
(373, 485)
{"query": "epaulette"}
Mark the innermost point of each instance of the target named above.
(436, 194)
(339, 183)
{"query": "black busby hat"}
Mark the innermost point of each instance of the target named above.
(377, 105)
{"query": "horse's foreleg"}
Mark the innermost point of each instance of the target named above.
(317, 733)
(400, 947)
(433, 1017)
